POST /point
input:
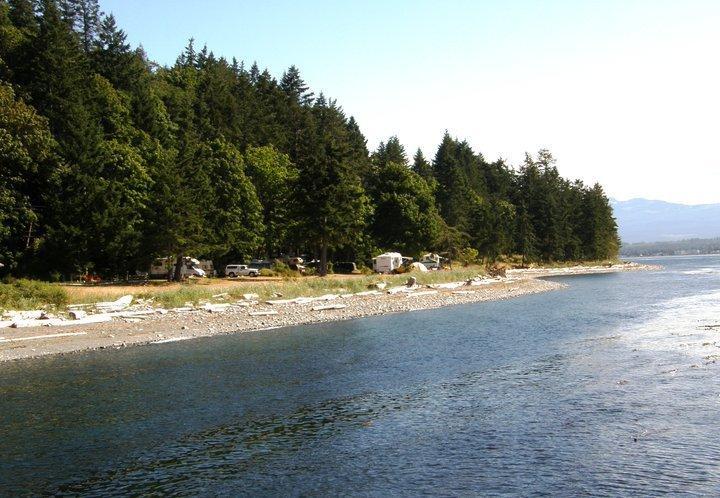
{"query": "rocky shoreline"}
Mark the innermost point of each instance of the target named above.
(158, 328)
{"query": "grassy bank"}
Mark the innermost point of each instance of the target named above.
(28, 294)
(296, 287)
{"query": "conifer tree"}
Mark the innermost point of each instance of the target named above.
(295, 88)
(331, 200)
(422, 167)
(390, 152)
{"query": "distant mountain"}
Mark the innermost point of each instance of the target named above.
(643, 220)
(672, 248)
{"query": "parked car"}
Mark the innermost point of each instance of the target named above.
(431, 264)
(432, 261)
(241, 271)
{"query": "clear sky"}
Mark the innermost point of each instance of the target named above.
(624, 92)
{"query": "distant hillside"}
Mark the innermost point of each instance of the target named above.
(643, 220)
(672, 248)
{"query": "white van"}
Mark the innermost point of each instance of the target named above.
(387, 262)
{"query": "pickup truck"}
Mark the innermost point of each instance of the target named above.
(241, 271)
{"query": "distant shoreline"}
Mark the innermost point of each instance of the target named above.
(151, 329)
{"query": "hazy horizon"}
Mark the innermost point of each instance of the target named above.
(622, 93)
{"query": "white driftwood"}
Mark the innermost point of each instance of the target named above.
(422, 293)
(117, 305)
(329, 307)
(47, 336)
(59, 322)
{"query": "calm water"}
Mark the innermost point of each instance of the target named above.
(608, 387)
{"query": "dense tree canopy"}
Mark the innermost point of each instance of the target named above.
(108, 160)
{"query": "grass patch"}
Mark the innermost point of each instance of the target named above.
(295, 287)
(25, 294)
(30, 294)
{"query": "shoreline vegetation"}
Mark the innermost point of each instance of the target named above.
(111, 161)
(141, 321)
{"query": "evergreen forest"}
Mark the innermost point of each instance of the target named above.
(109, 160)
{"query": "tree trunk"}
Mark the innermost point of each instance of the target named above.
(177, 275)
(323, 260)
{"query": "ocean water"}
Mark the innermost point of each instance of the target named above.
(609, 387)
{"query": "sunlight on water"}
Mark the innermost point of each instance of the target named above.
(690, 325)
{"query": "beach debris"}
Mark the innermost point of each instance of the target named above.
(329, 307)
(77, 314)
(422, 293)
(117, 305)
(411, 282)
(303, 300)
(221, 296)
(378, 286)
(250, 296)
(276, 294)
(463, 292)
(263, 313)
(245, 304)
(400, 288)
(182, 309)
(368, 293)
(25, 315)
(216, 308)
(59, 322)
(449, 285)
(47, 336)
(275, 302)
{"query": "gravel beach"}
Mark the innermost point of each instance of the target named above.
(154, 328)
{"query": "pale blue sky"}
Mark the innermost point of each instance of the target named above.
(626, 93)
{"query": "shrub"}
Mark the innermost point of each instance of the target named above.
(467, 256)
(283, 270)
(30, 294)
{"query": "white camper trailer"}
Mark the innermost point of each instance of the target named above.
(388, 262)
(164, 268)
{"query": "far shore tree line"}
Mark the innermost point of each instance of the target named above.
(108, 160)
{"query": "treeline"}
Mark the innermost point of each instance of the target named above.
(672, 248)
(109, 160)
